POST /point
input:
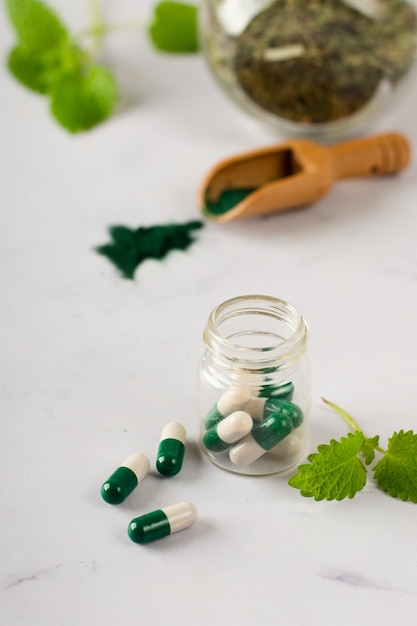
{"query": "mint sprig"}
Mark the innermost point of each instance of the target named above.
(48, 60)
(338, 470)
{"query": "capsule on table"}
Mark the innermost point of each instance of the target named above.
(124, 480)
(234, 399)
(264, 436)
(162, 522)
(171, 449)
(228, 431)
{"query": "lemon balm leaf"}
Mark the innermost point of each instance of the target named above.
(83, 99)
(37, 26)
(35, 72)
(42, 47)
(49, 61)
(334, 472)
(174, 27)
(28, 69)
(396, 472)
(368, 448)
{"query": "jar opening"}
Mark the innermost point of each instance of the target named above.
(256, 332)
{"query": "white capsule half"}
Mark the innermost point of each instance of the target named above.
(246, 451)
(290, 446)
(174, 430)
(180, 516)
(301, 430)
(139, 464)
(234, 427)
(255, 407)
(234, 399)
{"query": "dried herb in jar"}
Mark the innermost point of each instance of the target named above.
(317, 61)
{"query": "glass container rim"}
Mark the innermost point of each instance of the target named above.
(286, 350)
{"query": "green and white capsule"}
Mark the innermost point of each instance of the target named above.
(171, 449)
(228, 431)
(124, 480)
(162, 522)
(260, 408)
(234, 399)
(284, 391)
(264, 436)
(287, 409)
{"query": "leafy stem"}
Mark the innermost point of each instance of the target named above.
(96, 26)
(349, 419)
(49, 59)
(101, 28)
(339, 469)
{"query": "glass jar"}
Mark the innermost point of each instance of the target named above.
(318, 68)
(254, 386)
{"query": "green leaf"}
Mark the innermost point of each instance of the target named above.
(334, 472)
(83, 99)
(37, 27)
(48, 61)
(174, 27)
(35, 72)
(396, 472)
(368, 449)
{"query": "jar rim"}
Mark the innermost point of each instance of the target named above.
(280, 352)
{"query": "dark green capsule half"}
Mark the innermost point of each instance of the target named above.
(289, 409)
(170, 457)
(120, 484)
(284, 392)
(272, 430)
(149, 527)
(213, 417)
(212, 441)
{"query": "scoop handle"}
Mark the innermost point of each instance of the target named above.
(371, 156)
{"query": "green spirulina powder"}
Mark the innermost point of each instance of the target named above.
(130, 247)
(227, 200)
(316, 61)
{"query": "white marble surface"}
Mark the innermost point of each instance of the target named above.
(92, 365)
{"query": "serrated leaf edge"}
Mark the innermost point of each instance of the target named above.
(322, 448)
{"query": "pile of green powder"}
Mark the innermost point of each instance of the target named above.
(130, 247)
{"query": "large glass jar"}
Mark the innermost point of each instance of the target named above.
(319, 68)
(254, 390)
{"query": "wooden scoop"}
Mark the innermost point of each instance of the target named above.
(294, 173)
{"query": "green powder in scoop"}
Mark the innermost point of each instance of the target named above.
(227, 200)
